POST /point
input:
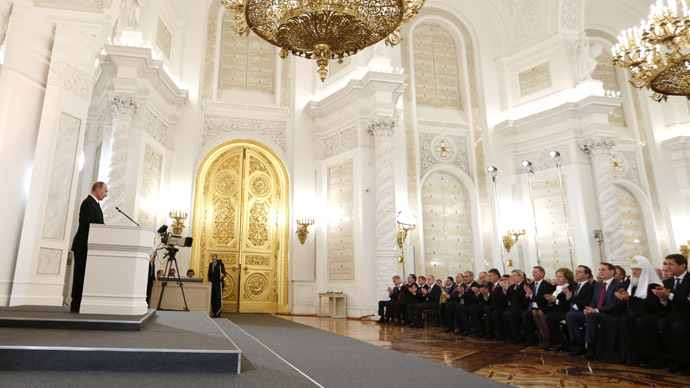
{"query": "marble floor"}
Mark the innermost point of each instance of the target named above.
(511, 364)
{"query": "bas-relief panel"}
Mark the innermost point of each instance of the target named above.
(447, 225)
(70, 78)
(570, 14)
(155, 127)
(606, 73)
(453, 151)
(340, 142)
(149, 188)
(435, 68)
(553, 240)
(542, 161)
(633, 225)
(246, 62)
(534, 79)
(163, 38)
(64, 161)
(525, 15)
(341, 244)
(49, 261)
(215, 126)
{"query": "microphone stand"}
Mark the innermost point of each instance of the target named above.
(128, 217)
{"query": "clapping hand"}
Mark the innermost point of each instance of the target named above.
(550, 297)
(528, 290)
(503, 284)
(567, 292)
(662, 292)
(424, 291)
(484, 291)
(622, 295)
(475, 289)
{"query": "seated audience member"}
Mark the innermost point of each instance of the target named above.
(577, 299)
(673, 296)
(452, 298)
(667, 273)
(386, 306)
(536, 304)
(557, 303)
(159, 274)
(190, 273)
(621, 276)
(482, 279)
(430, 300)
(448, 287)
(406, 295)
(681, 330)
(493, 300)
(517, 304)
(468, 298)
(618, 338)
(602, 302)
(420, 296)
(171, 273)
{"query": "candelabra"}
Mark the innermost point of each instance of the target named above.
(527, 165)
(556, 156)
(685, 249)
(511, 238)
(302, 228)
(178, 224)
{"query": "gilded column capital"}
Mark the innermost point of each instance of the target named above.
(123, 105)
(598, 145)
(382, 127)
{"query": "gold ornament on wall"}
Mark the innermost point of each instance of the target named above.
(685, 249)
(511, 238)
(178, 225)
(302, 231)
(323, 29)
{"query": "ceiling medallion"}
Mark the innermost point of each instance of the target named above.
(657, 52)
(323, 29)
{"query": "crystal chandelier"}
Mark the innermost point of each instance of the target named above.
(657, 52)
(323, 29)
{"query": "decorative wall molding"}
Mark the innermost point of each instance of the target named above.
(71, 79)
(340, 142)
(570, 14)
(163, 38)
(155, 127)
(457, 151)
(542, 161)
(87, 5)
(439, 124)
(525, 15)
(224, 107)
(627, 167)
(272, 130)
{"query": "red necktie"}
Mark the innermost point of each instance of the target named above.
(602, 296)
(493, 287)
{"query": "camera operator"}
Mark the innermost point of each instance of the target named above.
(216, 273)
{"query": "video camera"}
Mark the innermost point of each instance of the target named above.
(172, 240)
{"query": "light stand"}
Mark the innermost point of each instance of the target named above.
(171, 259)
(527, 165)
(494, 172)
(556, 156)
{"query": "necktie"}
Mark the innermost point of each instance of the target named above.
(602, 296)
(536, 287)
(493, 287)
(577, 289)
(675, 286)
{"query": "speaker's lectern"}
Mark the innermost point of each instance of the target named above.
(117, 270)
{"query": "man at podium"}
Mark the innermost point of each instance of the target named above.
(89, 213)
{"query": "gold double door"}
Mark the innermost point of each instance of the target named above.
(240, 213)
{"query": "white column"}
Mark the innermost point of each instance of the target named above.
(386, 246)
(22, 90)
(45, 240)
(599, 150)
(123, 107)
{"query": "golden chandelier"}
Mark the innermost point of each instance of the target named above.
(657, 53)
(323, 29)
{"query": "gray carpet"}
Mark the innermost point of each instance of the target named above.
(337, 361)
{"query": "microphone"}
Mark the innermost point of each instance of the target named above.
(128, 217)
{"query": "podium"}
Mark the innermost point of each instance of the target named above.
(117, 270)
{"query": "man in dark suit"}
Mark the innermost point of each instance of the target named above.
(603, 301)
(405, 297)
(452, 298)
(151, 277)
(510, 326)
(494, 299)
(386, 306)
(216, 273)
(430, 300)
(89, 213)
(621, 276)
(468, 292)
(420, 297)
(674, 297)
(534, 293)
(579, 298)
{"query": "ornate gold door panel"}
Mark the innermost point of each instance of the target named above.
(240, 208)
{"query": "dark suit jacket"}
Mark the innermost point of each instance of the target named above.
(496, 298)
(406, 295)
(214, 276)
(609, 299)
(584, 295)
(433, 295)
(469, 296)
(396, 291)
(544, 288)
(562, 304)
(89, 213)
(637, 307)
(515, 297)
(419, 297)
(678, 309)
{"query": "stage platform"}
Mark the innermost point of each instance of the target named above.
(191, 341)
(60, 317)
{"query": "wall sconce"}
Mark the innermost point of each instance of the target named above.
(685, 249)
(511, 238)
(178, 224)
(302, 231)
(406, 222)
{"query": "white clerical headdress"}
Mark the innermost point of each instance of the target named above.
(647, 277)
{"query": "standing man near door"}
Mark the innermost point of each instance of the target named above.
(89, 213)
(216, 273)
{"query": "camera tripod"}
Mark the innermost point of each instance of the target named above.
(170, 255)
